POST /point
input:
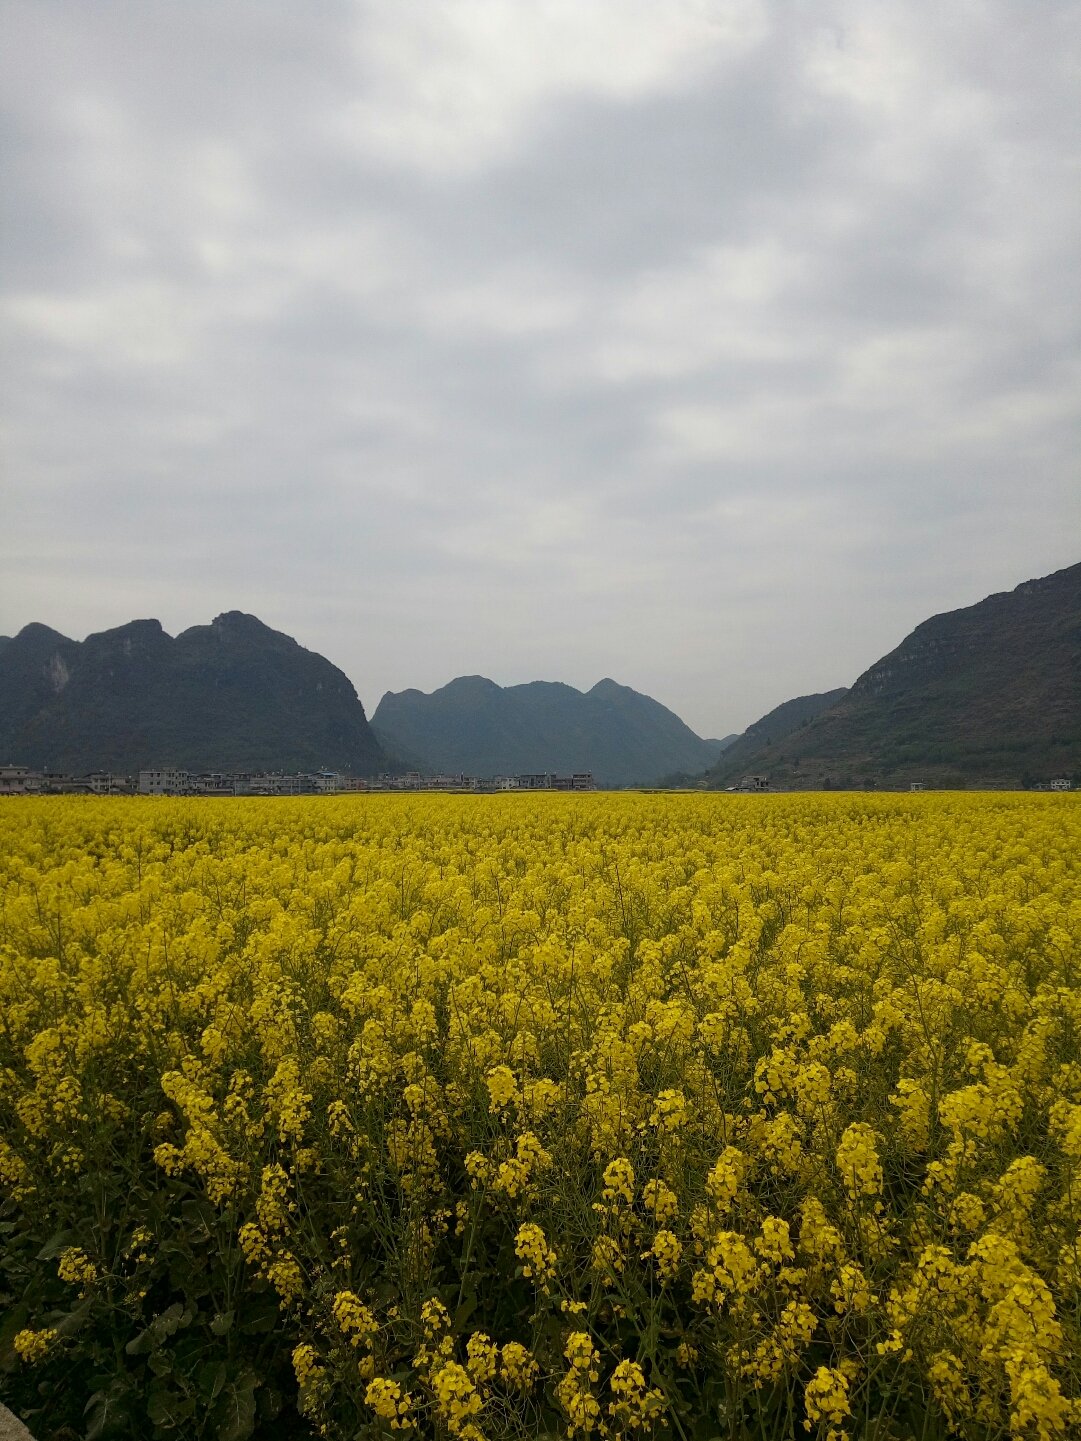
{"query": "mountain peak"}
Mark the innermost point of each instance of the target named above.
(37, 634)
(239, 622)
(471, 683)
(614, 693)
(132, 630)
(474, 726)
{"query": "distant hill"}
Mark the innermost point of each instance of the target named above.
(722, 745)
(985, 696)
(775, 726)
(474, 726)
(233, 695)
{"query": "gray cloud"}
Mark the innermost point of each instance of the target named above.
(708, 345)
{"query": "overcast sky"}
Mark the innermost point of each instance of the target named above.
(706, 344)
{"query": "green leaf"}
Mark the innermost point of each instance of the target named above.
(107, 1412)
(270, 1403)
(74, 1320)
(234, 1413)
(55, 1244)
(168, 1408)
(161, 1363)
(222, 1323)
(210, 1378)
(162, 1327)
(261, 1316)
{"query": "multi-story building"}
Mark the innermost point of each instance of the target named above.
(164, 782)
(535, 782)
(19, 781)
(580, 781)
(105, 783)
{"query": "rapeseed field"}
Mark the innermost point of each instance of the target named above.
(505, 1117)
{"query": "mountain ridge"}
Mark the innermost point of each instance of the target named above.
(475, 726)
(988, 694)
(776, 725)
(231, 695)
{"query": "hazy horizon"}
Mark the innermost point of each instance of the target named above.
(371, 704)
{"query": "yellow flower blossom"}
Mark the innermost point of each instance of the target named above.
(387, 1399)
(724, 1179)
(781, 1347)
(502, 1087)
(774, 1242)
(665, 1251)
(519, 1369)
(634, 1408)
(826, 1400)
(669, 1111)
(619, 1181)
(355, 1320)
(456, 1396)
(537, 1257)
(607, 1256)
(76, 1268)
(306, 1365)
(730, 1270)
(858, 1163)
(575, 1390)
(483, 1358)
(33, 1346)
(660, 1200)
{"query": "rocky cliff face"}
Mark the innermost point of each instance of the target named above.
(986, 695)
(230, 695)
(999, 635)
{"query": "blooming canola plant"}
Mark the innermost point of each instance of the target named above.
(687, 1116)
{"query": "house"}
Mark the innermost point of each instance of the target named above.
(19, 781)
(213, 783)
(752, 783)
(1062, 784)
(164, 782)
(105, 783)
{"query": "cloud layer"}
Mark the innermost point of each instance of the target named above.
(707, 345)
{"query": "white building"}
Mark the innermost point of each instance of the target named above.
(104, 783)
(19, 781)
(164, 782)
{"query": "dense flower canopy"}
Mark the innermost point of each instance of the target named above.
(480, 1117)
